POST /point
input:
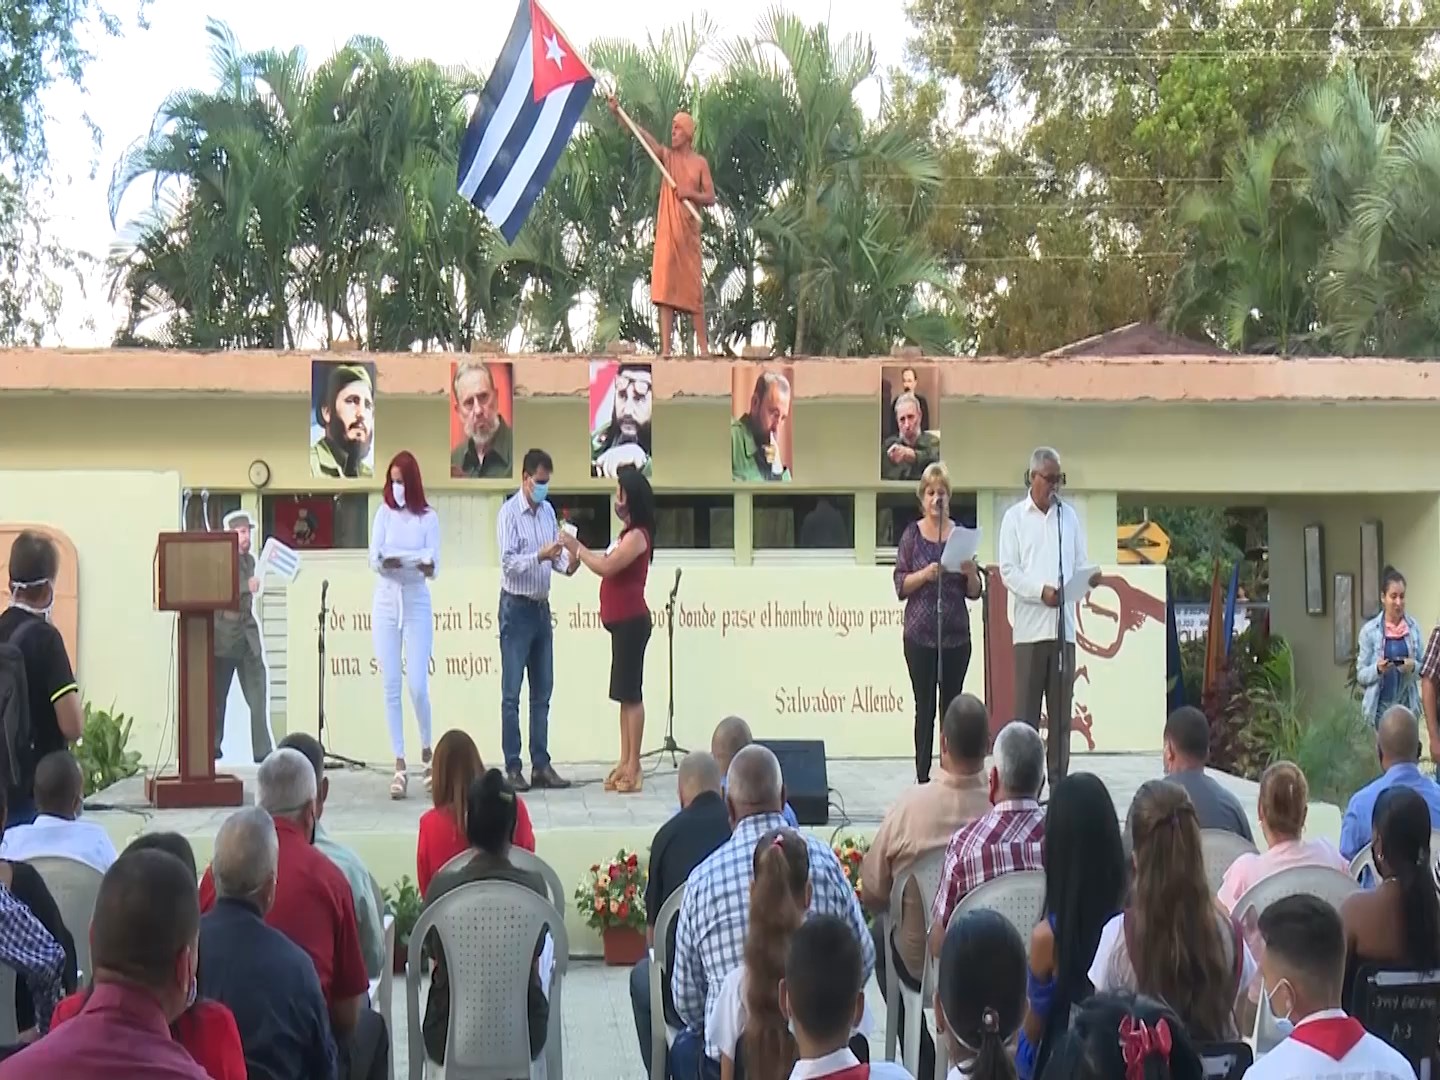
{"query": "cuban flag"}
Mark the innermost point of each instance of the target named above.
(531, 104)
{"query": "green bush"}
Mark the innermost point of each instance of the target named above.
(404, 901)
(103, 749)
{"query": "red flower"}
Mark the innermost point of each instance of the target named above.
(614, 870)
(629, 892)
(633, 861)
(595, 869)
(624, 910)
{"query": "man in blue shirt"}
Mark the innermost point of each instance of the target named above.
(731, 736)
(1399, 739)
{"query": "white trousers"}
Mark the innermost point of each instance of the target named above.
(401, 616)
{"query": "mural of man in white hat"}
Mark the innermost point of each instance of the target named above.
(237, 646)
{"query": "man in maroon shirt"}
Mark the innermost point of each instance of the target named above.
(144, 944)
(314, 909)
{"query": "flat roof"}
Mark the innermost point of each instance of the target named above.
(1096, 380)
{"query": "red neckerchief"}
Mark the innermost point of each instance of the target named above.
(854, 1072)
(1333, 1036)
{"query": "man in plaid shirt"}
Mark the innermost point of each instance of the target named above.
(1430, 691)
(1008, 838)
(27, 947)
(715, 914)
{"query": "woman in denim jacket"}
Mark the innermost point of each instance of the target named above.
(1390, 651)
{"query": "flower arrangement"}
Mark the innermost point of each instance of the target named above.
(612, 894)
(851, 853)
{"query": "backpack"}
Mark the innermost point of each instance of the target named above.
(15, 727)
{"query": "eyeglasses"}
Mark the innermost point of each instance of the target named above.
(1053, 479)
(626, 382)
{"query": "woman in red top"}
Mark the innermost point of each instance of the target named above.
(624, 612)
(457, 765)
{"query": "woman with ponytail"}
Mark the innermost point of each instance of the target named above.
(1174, 943)
(980, 994)
(747, 1018)
(1396, 924)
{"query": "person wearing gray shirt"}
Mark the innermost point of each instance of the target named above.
(1187, 749)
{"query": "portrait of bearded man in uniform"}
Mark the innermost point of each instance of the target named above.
(621, 404)
(342, 419)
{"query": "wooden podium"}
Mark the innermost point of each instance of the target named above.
(196, 576)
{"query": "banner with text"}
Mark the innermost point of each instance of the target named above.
(801, 653)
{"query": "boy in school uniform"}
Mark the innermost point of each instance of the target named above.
(1304, 971)
(823, 997)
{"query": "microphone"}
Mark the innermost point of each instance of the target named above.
(675, 589)
(324, 589)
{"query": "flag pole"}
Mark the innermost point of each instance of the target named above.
(634, 129)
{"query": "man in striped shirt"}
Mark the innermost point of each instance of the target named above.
(530, 551)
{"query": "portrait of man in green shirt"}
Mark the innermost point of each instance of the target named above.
(755, 436)
(342, 430)
(486, 449)
(904, 456)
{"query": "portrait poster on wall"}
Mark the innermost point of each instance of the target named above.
(761, 438)
(622, 402)
(342, 419)
(909, 420)
(482, 420)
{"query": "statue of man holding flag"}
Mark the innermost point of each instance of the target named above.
(676, 273)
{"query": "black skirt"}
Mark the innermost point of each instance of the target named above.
(628, 639)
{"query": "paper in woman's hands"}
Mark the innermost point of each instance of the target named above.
(963, 545)
(408, 559)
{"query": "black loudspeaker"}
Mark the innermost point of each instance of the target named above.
(807, 786)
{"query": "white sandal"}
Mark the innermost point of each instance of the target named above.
(426, 777)
(399, 785)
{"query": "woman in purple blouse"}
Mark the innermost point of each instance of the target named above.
(934, 664)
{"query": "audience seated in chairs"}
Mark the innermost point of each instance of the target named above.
(1186, 750)
(1174, 943)
(1006, 839)
(266, 980)
(457, 765)
(1396, 924)
(822, 999)
(57, 831)
(1304, 971)
(490, 817)
(369, 918)
(715, 914)
(731, 736)
(1086, 877)
(1116, 1036)
(144, 944)
(923, 819)
(25, 885)
(682, 843)
(207, 1027)
(313, 907)
(1283, 805)
(1398, 739)
(980, 995)
(746, 1024)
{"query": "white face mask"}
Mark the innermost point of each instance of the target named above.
(1270, 1000)
(44, 613)
(398, 490)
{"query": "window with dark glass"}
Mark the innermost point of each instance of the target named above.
(894, 511)
(589, 513)
(694, 521)
(204, 511)
(317, 522)
(808, 522)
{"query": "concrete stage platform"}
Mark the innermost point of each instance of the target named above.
(586, 824)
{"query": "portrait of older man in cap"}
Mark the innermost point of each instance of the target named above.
(237, 646)
(342, 429)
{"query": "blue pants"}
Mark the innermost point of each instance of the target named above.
(527, 646)
(688, 1060)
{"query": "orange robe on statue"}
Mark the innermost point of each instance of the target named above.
(675, 273)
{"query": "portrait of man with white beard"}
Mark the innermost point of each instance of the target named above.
(483, 442)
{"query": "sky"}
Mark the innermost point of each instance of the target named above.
(131, 76)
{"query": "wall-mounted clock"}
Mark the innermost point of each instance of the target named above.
(259, 473)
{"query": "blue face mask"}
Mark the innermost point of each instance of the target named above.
(539, 490)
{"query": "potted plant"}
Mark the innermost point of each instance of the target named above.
(611, 898)
(851, 853)
(404, 902)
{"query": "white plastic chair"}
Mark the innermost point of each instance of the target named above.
(488, 930)
(74, 885)
(521, 860)
(1220, 849)
(661, 1033)
(1332, 886)
(384, 987)
(1365, 857)
(9, 1034)
(925, 872)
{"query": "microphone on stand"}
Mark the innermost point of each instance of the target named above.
(675, 590)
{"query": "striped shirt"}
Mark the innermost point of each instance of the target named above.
(521, 532)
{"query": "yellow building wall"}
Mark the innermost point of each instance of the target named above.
(126, 646)
(1410, 528)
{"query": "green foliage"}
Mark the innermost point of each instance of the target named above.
(1200, 534)
(403, 900)
(103, 751)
